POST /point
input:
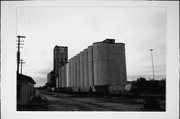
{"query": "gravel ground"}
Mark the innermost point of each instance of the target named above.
(50, 101)
(67, 102)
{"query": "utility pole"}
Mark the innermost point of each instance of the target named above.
(21, 64)
(152, 63)
(18, 52)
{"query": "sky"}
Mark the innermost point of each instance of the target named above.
(140, 28)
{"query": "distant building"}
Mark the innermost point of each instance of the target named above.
(60, 58)
(25, 87)
(50, 77)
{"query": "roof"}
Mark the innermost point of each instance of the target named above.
(24, 77)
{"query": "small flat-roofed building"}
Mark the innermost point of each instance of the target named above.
(25, 87)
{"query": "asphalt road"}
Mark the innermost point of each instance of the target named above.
(69, 102)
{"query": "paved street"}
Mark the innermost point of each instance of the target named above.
(69, 102)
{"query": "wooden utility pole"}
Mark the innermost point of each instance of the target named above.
(152, 63)
(21, 64)
(18, 52)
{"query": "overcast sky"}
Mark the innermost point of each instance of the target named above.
(140, 28)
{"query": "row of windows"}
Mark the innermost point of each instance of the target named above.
(62, 54)
(65, 59)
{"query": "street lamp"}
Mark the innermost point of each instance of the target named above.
(152, 63)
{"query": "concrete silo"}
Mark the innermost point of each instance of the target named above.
(67, 75)
(78, 69)
(73, 73)
(85, 58)
(118, 62)
(81, 70)
(75, 88)
(70, 72)
(100, 63)
(90, 66)
(109, 65)
(64, 76)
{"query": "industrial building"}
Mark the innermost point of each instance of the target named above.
(25, 87)
(60, 58)
(100, 67)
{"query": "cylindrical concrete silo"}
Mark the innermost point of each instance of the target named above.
(81, 69)
(100, 63)
(78, 69)
(109, 64)
(85, 58)
(64, 76)
(70, 72)
(67, 75)
(75, 71)
(117, 61)
(90, 66)
(75, 88)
